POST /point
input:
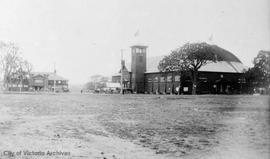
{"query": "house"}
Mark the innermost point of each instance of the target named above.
(47, 81)
(38, 81)
(222, 77)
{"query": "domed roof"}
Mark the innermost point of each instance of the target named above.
(224, 55)
(226, 62)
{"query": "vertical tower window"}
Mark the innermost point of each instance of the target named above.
(143, 50)
(141, 58)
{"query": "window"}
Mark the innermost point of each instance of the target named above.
(38, 81)
(241, 80)
(185, 89)
(156, 79)
(162, 79)
(204, 79)
(133, 50)
(177, 78)
(143, 50)
(140, 58)
(169, 78)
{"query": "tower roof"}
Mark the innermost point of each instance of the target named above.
(139, 46)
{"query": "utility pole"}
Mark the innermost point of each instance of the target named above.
(21, 80)
(54, 82)
(21, 84)
(54, 86)
(121, 79)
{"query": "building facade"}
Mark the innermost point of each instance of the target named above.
(221, 77)
(47, 81)
(40, 81)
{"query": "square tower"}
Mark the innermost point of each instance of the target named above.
(138, 67)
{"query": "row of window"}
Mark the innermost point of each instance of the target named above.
(164, 79)
(19, 85)
(56, 82)
(169, 79)
(139, 50)
(40, 81)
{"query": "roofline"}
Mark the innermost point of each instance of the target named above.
(139, 46)
(198, 71)
(58, 80)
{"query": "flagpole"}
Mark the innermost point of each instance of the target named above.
(136, 35)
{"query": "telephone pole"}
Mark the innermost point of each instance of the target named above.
(54, 82)
(121, 79)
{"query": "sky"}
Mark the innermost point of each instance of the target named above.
(81, 38)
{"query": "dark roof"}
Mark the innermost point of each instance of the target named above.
(51, 76)
(224, 55)
(54, 76)
(139, 46)
(227, 62)
(219, 66)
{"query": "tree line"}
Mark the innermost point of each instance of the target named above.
(14, 69)
(96, 82)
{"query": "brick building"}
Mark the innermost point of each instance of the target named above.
(221, 77)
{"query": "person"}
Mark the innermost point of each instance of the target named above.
(81, 91)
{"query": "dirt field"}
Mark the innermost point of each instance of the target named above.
(134, 126)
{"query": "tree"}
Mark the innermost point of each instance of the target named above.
(190, 57)
(23, 72)
(173, 62)
(259, 75)
(262, 64)
(14, 68)
(96, 82)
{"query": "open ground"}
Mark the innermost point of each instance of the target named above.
(134, 126)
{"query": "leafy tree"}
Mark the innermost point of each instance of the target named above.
(13, 67)
(190, 57)
(262, 64)
(96, 82)
(259, 75)
(251, 76)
